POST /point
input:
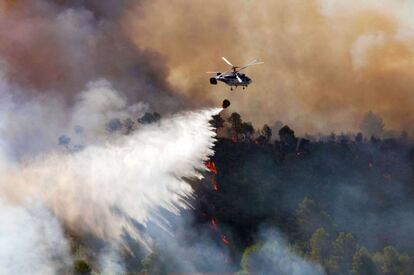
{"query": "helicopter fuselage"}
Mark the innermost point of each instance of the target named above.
(231, 80)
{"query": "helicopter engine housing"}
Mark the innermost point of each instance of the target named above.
(213, 81)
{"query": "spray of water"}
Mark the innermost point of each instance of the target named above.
(110, 188)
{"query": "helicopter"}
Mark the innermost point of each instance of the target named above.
(232, 77)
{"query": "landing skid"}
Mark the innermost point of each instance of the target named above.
(231, 87)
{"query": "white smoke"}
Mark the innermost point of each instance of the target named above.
(273, 256)
(362, 47)
(98, 105)
(31, 241)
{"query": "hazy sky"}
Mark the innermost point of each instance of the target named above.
(327, 62)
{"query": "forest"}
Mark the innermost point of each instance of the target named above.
(339, 203)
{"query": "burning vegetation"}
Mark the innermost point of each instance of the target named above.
(340, 204)
(343, 202)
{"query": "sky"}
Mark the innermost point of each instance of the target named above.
(326, 62)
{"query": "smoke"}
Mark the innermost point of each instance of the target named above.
(273, 255)
(32, 126)
(327, 62)
(31, 241)
(96, 106)
(55, 48)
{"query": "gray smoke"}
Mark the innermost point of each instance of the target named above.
(57, 47)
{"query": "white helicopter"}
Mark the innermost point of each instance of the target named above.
(232, 77)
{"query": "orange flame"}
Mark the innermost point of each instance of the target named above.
(225, 241)
(211, 166)
(214, 223)
(214, 184)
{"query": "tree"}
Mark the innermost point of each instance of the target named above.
(239, 127)
(114, 125)
(79, 129)
(64, 141)
(287, 138)
(235, 122)
(344, 249)
(81, 267)
(152, 264)
(129, 125)
(217, 121)
(362, 263)
(343, 139)
(321, 249)
(248, 260)
(372, 125)
(391, 261)
(359, 137)
(247, 129)
(266, 132)
(286, 134)
(310, 217)
(149, 118)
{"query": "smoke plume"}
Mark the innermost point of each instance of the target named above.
(54, 48)
(272, 255)
(326, 62)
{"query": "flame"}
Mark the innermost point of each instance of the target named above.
(214, 184)
(225, 241)
(211, 166)
(213, 223)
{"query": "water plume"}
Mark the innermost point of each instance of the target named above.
(118, 185)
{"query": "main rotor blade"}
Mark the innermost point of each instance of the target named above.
(213, 72)
(251, 64)
(228, 62)
(224, 73)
